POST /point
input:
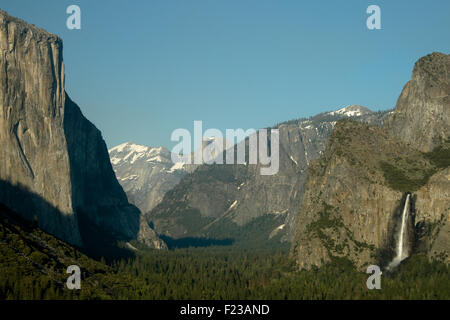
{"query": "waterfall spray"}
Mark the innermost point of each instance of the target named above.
(402, 238)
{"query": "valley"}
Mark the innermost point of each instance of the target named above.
(353, 188)
(33, 266)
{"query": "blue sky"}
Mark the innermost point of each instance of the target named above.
(140, 69)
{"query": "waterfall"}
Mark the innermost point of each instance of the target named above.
(402, 238)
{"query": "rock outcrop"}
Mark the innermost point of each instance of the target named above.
(422, 114)
(54, 164)
(432, 208)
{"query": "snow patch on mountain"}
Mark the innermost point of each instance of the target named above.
(177, 166)
(145, 173)
(351, 111)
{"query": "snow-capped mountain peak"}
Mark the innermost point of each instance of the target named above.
(130, 152)
(352, 111)
(145, 173)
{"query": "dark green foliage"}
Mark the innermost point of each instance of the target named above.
(191, 218)
(398, 178)
(220, 273)
(440, 157)
(325, 220)
(197, 273)
(410, 176)
(320, 226)
(33, 263)
(195, 242)
(328, 224)
(252, 234)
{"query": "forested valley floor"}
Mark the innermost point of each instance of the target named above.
(33, 266)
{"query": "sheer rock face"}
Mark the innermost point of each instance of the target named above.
(422, 113)
(54, 164)
(432, 207)
(34, 148)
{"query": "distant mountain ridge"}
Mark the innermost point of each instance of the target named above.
(145, 173)
(352, 111)
(221, 201)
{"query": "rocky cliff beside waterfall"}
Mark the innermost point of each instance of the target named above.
(349, 209)
(54, 165)
(356, 191)
(432, 216)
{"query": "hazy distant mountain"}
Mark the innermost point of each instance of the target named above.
(145, 173)
(352, 111)
(235, 201)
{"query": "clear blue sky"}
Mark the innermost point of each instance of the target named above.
(140, 69)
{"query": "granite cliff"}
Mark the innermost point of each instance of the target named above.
(54, 164)
(422, 114)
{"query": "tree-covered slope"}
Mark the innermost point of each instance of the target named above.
(33, 264)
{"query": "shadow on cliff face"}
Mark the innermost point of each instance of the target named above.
(187, 242)
(100, 214)
(34, 208)
(37, 212)
(98, 242)
(102, 205)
